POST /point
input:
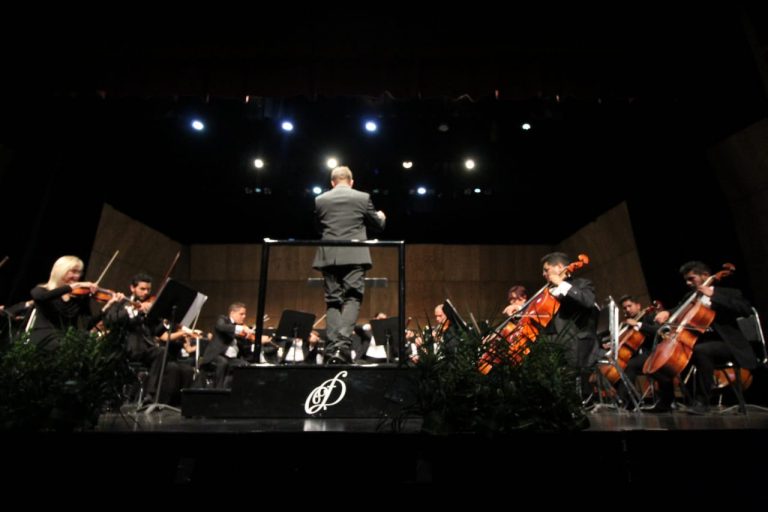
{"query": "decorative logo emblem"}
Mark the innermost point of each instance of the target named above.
(319, 399)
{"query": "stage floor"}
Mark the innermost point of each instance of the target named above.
(601, 420)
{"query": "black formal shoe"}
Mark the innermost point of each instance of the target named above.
(698, 409)
(659, 407)
(338, 357)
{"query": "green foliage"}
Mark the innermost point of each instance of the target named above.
(538, 394)
(61, 389)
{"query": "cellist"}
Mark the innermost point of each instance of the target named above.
(575, 323)
(721, 343)
(642, 322)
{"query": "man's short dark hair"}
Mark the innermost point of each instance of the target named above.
(697, 267)
(625, 298)
(554, 258)
(141, 277)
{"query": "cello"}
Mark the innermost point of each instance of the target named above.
(509, 345)
(630, 340)
(681, 331)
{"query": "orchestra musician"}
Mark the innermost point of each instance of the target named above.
(574, 326)
(723, 341)
(642, 322)
(143, 337)
(58, 307)
(231, 339)
(343, 213)
(516, 297)
(445, 334)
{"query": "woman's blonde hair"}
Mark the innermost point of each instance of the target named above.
(60, 269)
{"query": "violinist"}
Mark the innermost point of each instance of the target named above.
(226, 350)
(446, 333)
(142, 344)
(721, 343)
(57, 307)
(642, 322)
(574, 326)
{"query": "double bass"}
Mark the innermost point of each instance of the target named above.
(509, 345)
(630, 340)
(680, 333)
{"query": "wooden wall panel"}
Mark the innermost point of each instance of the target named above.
(142, 249)
(475, 277)
(741, 163)
(614, 266)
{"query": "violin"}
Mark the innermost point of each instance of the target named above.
(101, 294)
(532, 317)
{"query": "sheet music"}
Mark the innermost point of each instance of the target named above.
(194, 310)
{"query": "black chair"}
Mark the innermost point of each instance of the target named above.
(729, 374)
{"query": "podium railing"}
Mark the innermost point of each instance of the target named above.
(269, 243)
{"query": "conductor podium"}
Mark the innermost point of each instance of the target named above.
(307, 391)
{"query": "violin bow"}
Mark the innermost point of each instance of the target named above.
(104, 272)
(168, 273)
(319, 320)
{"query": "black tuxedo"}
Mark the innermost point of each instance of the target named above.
(215, 352)
(575, 323)
(722, 343)
(729, 304)
(140, 338)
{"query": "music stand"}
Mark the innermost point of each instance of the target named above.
(385, 332)
(293, 324)
(174, 300)
(453, 315)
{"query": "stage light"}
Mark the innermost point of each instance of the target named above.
(197, 125)
(421, 191)
(469, 164)
(477, 191)
(332, 163)
(371, 126)
(317, 190)
(525, 126)
(258, 163)
(407, 164)
(287, 126)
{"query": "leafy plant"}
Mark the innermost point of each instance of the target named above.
(62, 389)
(538, 394)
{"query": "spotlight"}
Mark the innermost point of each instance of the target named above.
(317, 190)
(421, 191)
(287, 126)
(371, 126)
(407, 164)
(477, 191)
(258, 163)
(469, 164)
(525, 126)
(198, 125)
(332, 163)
